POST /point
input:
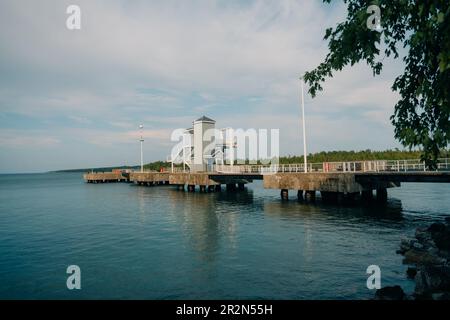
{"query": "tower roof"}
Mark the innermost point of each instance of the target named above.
(204, 119)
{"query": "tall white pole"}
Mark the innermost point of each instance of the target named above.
(304, 128)
(142, 154)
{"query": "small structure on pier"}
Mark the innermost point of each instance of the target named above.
(203, 146)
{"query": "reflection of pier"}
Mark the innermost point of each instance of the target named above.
(336, 182)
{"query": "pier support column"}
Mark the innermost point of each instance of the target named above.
(328, 196)
(284, 194)
(210, 188)
(191, 188)
(310, 195)
(231, 187)
(241, 186)
(300, 195)
(218, 188)
(367, 195)
(203, 189)
(351, 197)
(340, 197)
(382, 194)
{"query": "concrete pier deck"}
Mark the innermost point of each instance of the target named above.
(337, 185)
(199, 179)
(149, 178)
(103, 177)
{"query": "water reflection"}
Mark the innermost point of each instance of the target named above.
(392, 210)
(229, 232)
(162, 243)
(194, 214)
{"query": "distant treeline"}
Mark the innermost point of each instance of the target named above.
(324, 156)
(157, 165)
(100, 169)
(331, 156)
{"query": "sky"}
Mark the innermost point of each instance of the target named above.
(75, 98)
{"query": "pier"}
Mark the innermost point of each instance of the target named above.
(335, 182)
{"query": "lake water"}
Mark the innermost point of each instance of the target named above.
(134, 242)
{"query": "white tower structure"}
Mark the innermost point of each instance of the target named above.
(204, 137)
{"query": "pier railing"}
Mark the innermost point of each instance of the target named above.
(414, 165)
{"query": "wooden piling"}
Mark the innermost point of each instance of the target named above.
(284, 193)
(310, 195)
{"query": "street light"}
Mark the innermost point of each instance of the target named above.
(304, 128)
(142, 141)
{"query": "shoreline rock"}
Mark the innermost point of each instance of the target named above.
(428, 255)
(390, 293)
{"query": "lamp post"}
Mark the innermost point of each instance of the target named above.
(304, 127)
(142, 141)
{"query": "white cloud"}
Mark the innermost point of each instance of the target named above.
(165, 63)
(28, 139)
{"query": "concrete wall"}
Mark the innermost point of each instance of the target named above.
(104, 176)
(331, 182)
(149, 176)
(199, 179)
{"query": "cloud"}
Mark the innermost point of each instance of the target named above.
(32, 140)
(166, 63)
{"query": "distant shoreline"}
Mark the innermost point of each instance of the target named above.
(92, 169)
(318, 157)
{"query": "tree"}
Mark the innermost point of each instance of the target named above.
(422, 28)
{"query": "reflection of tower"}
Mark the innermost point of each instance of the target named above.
(142, 154)
(195, 215)
(308, 249)
(203, 131)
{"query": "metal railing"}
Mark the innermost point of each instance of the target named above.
(414, 165)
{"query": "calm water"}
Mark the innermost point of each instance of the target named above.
(159, 243)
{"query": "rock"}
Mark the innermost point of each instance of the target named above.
(417, 246)
(432, 279)
(422, 234)
(390, 293)
(444, 254)
(430, 253)
(404, 245)
(418, 257)
(436, 227)
(442, 239)
(411, 272)
(441, 296)
(432, 249)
